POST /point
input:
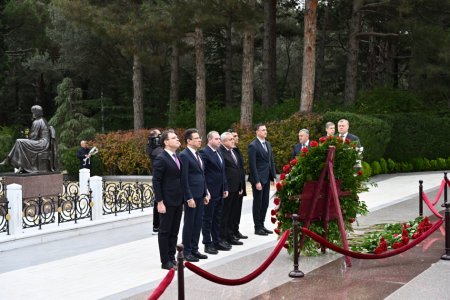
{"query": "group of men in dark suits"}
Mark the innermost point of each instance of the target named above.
(209, 183)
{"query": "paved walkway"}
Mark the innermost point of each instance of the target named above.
(123, 262)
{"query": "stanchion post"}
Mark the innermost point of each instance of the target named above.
(421, 198)
(446, 204)
(296, 273)
(180, 268)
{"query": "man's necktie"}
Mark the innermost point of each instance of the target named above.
(218, 158)
(233, 156)
(264, 146)
(175, 158)
(303, 146)
(198, 159)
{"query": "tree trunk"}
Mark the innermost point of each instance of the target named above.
(321, 52)
(351, 71)
(174, 83)
(269, 54)
(309, 56)
(228, 68)
(138, 105)
(247, 75)
(200, 90)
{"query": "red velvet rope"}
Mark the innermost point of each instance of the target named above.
(431, 206)
(359, 255)
(224, 281)
(439, 193)
(162, 285)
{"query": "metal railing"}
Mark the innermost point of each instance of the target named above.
(122, 197)
(73, 206)
(38, 211)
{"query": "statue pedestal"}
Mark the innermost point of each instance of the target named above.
(35, 184)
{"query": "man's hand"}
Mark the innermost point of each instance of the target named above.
(191, 203)
(258, 186)
(241, 192)
(225, 194)
(206, 199)
(161, 207)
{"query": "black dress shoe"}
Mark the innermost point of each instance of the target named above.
(191, 258)
(210, 249)
(199, 255)
(235, 241)
(223, 246)
(240, 236)
(260, 232)
(267, 230)
(168, 265)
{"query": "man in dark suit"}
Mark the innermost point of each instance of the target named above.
(195, 194)
(230, 204)
(84, 156)
(262, 173)
(343, 127)
(303, 138)
(216, 182)
(169, 197)
(240, 157)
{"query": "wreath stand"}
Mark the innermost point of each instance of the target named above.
(320, 201)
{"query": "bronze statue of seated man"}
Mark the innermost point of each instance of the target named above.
(38, 152)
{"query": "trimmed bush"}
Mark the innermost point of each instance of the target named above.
(426, 164)
(376, 168)
(391, 165)
(366, 169)
(434, 165)
(442, 163)
(383, 165)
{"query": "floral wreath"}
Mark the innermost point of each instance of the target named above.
(307, 166)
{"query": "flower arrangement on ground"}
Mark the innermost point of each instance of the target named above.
(392, 236)
(307, 166)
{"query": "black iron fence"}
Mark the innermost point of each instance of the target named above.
(125, 197)
(38, 211)
(73, 206)
(4, 215)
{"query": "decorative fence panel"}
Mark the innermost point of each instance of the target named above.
(73, 206)
(38, 211)
(4, 215)
(122, 197)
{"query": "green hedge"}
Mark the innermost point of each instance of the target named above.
(418, 135)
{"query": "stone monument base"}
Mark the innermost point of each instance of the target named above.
(35, 184)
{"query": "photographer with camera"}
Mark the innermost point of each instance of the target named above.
(153, 149)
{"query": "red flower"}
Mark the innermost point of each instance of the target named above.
(282, 176)
(396, 245)
(278, 186)
(322, 139)
(360, 173)
(351, 220)
(294, 162)
(304, 150)
(416, 235)
(347, 141)
(330, 137)
(273, 220)
(314, 144)
(279, 224)
(273, 212)
(379, 250)
(286, 168)
(405, 240)
(277, 231)
(286, 245)
(276, 201)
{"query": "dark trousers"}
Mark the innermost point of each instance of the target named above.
(229, 212)
(193, 218)
(155, 215)
(237, 217)
(260, 204)
(211, 221)
(168, 232)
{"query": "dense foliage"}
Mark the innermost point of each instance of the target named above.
(308, 167)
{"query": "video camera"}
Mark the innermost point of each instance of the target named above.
(154, 141)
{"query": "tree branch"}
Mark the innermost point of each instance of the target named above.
(380, 34)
